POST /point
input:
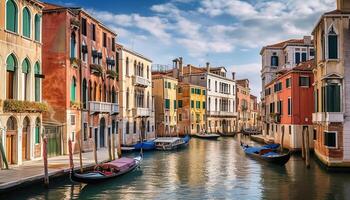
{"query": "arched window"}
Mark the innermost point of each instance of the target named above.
(127, 127)
(72, 45)
(127, 66)
(104, 93)
(37, 81)
(26, 78)
(127, 98)
(11, 124)
(148, 100)
(114, 98)
(37, 131)
(135, 68)
(11, 68)
(84, 94)
(95, 92)
(147, 72)
(73, 89)
(37, 26)
(11, 16)
(90, 91)
(26, 22)
(332, 44)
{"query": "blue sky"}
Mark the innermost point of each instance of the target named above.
(226, 33)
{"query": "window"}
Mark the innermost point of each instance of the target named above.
(85, 135)
(333, 98)
(192, 104)
(274, 60)
(204, 105)
(11, 69)
(316, 100)
(267, 91)
(85, 94)
(332, 44)
(127, 127)
(83, 26)
(72, 45)
(148, 126)
(127, 66)
(315, 134)
(73, 90)
(113, 44)
(304, 81)
(165, 84)
(26, 81)
(169, 85)
(289, 106)
(93, 32)
(180, 117)
(288, 83)
(174, 104)
(303, 57)
(134, 127)
(312, 52)
(216, 86)
(198, 104)
(330, 139)
(279, 107)
(72, 120)
(297, 57)
(104, 40)
(37, 131)
(11, 16)
(37, 24)
(167, 103)
(192, 91)
(180, 103)
(26, 22)
(278, 87)
(290, 130)
(37, 81)
(209, 84)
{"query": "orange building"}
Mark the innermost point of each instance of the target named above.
(243, 103)
(81, 77)
(288, 105)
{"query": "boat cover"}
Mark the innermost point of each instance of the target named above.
(148, 145)
(120, 164)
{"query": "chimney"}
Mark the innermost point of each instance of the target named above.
(343, 5)
(181, 67)
(233, 75)
(175, 68)
(307, 39)
(208, 67)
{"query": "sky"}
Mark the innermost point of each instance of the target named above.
(226, 33)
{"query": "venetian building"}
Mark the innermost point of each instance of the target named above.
(20, 87)
(136, 99)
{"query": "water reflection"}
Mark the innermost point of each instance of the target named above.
(205, 170)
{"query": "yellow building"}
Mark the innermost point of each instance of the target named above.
(164, 91)
(20, 86)
(191, 109)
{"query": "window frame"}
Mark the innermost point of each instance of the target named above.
(336, 139)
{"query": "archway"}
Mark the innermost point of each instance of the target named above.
(11, 140)
(102, 132)
(26, 139)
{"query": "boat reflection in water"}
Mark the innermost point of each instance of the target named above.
(205, 170)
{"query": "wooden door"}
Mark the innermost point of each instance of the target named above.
(24, 146)
(9, 147)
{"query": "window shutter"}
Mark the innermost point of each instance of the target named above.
(26, 22)
(11, 63)
(297, 58)
(37, 27)
(303, 57)
(332, 46)
(11, 16)
(25, 67)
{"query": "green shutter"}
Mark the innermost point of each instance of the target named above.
(25, 66)
(180, 103)
(167, 103)
(37, 135)
(332, 46)
(37, 82)
(72, 90)
(203, 104)
(192, 104)
(37, 27)
(11, 16)
(26, 22)
(192, 90)
(174, 104)
(11, 63)
(203, 92)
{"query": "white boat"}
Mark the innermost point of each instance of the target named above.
(170, 143)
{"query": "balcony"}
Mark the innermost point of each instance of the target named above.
(141, 81)
(142, 112)
(328, 117)
(103, 107)
(221, 113)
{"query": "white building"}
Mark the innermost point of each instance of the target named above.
(136, 100)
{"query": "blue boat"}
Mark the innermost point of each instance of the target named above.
(267, 153)
(186, 139)
(145, 145)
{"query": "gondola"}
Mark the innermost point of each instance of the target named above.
(211, 136)
(267, 153)
(107, 171)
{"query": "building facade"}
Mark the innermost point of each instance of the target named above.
(191, 109)
(136, 100)
(282, 56)
(165, 97)
(288, 98)
(20, 87)
(221, 113)
(79, 59)
(243, 104)
(331, 87)
(253, 122)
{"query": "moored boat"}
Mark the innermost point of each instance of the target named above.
(171, 143)
(250, 132)
(145, 145)
(107, 171)
(267, 153)
(208, 136)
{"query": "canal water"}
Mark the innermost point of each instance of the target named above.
(205, 170)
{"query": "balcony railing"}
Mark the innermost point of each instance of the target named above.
(142, 112)
(328, 117)
(141, 81)
(221, 113)
(103, 107)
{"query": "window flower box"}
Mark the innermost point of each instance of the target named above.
(16, 106)
(111, 74)
(96, 69)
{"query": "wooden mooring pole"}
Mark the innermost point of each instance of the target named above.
(303, 143)
(70, 150)
(95, 153)
(119, 144)
(46, 170)
(109, 146)
(307, 148)
(113, 147)
(282, 138)
(80, 154)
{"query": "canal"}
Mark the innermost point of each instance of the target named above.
(205, 170)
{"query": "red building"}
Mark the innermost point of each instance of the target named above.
(81, 78)
(289, 105)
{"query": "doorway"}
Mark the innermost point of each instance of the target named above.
(11, 141)
(102, 132)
